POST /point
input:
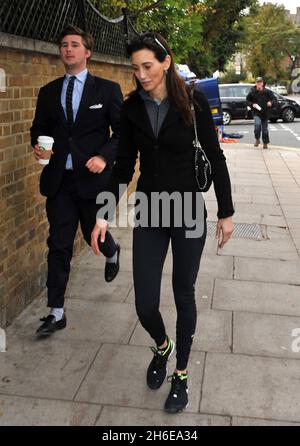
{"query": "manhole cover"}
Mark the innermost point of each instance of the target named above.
(241, 230)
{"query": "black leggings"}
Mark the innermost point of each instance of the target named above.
(150, 246)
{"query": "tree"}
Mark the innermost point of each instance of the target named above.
(202, 33)
(173, 19)
(270, 38)
(113, 8)
(223, 28)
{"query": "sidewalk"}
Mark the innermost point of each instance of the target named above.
(243, 370)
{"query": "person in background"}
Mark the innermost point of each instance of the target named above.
(260, 100)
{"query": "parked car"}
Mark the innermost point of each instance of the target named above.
(234, 104)
(280, 89)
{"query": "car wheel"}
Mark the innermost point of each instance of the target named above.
(288, 115)
(273, 120)
(226, 117)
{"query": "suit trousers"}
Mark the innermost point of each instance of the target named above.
(65, 211)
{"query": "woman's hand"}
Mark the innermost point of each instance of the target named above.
(98, 231)
(224, 230)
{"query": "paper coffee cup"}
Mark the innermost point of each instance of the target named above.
(45, 143)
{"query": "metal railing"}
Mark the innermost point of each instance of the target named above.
(44, 20)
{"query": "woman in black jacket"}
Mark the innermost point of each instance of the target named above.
(156, 123)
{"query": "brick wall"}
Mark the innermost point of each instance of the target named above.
(23, 224)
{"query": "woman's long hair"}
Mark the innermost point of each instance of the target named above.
(178, 91)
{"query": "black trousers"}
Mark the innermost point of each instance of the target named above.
(65, 211)
(150, 246)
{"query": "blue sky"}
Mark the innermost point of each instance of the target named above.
(288, 4)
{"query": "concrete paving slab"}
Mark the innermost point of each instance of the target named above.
(217, 266)
(259, 208)
(127, 416)
(291, 211)
(254, 190)
(238, 421)
(20, 411)
(89, 284)
(97, 321)
(281, 249)
(267, 270)
(122, 381)
(45, 368)
(254, 387)
(257, 297)
(273, 220)
(293, 223)
(266, 335)
(213, 331)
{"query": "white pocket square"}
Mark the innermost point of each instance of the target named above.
(93, 107)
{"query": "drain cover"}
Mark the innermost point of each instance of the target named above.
(241, 230)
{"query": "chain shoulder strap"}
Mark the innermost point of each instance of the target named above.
(196, 141)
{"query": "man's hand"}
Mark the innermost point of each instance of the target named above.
(98, 231)
(96, 164)
(269, 104)
(40, 154)
(224, 230)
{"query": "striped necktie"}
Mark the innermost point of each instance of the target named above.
(69, 105)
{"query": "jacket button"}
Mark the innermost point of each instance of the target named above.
(70, 139)
(156, 147)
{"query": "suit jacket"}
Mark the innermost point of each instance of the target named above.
(89, 136)
(167, 162)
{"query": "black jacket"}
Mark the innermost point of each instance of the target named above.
(167, 162)
(90, 134)
(261, 98)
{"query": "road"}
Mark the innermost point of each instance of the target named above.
(281, 134)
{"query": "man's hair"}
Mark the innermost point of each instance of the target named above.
(71, 30)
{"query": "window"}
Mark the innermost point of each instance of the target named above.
(241, 91)
(226, 92)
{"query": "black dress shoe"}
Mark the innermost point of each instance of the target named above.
(112, 269)
(50, 325)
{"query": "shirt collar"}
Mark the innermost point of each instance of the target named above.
(81, 77)
(146, 97)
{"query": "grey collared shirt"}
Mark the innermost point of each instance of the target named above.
(157, 110)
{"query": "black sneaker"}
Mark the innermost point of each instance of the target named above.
(178, 396)
(157, 370)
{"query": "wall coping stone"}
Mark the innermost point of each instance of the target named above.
(10, 41)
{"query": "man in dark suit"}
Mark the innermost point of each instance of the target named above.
(78, 111)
